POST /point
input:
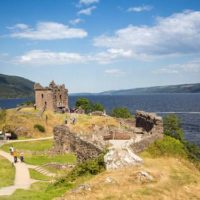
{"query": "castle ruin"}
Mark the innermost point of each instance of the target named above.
(54, 97)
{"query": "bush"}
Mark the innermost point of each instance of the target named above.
(39, 128)
(88, 106)
(121, 112)
(172, 127)
(168, 146)
(84, 104)
(89, 167)
(97, 107)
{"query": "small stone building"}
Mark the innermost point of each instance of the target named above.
(54, 97)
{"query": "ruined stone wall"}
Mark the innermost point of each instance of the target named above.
(44, 98)
(152, 126)
(149, 122)
(65, 141)
(53, 97)
(145, 142)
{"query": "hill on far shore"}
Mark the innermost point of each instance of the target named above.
(15, 87)
(19, 87)
(183, 88)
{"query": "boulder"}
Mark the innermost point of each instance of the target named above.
(121, 157)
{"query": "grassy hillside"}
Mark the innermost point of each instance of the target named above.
(25, 120)
(15, 87)
(173, 179)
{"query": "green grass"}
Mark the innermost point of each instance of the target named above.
(38, 176)
(43, 159)
(7, 173)
(38, 191)
(44, 190)
(168, 146)
(43, 145)
(36, 152)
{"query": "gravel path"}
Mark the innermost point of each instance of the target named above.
(22, 177)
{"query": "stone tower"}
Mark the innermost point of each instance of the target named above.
(54, 97)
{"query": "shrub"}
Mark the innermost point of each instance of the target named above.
(97, 107)
(121, 112)
(84, 103)
(88, 106)
(172, 127)
(168, 146)
(39, 128)
(89, 167)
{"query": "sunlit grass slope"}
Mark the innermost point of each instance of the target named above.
(28, 117)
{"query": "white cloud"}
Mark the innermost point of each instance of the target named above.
(88, 2)
(41, 57)
(112, 55)
(87, 11)
(176, 34)
(140, 8)
(76, 21)
(114, 72)
(188, 67)
(19, 26)
(47, 31)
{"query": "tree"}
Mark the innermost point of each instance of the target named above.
(121, 112)
(172, 127)
(97, 107)
(88, 106)
(84, 103)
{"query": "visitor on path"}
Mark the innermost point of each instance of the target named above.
(15, 156)
(65, 120)
(73, 120)
(11, 149)
(22, 156)
(46, 119)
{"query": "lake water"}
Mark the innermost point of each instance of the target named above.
(186, 106)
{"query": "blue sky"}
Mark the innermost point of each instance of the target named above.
(98, 45)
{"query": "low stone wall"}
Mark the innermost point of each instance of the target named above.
(145, 142)
(117, 136)
(65, 141)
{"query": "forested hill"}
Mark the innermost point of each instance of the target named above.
(15, 87)
(184, 88)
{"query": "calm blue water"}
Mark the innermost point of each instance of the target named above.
(186, 106)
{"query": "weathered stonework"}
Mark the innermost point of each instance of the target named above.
(65, 141)
(54, 97)
(122, 144)
(149, 122)
(152, 126)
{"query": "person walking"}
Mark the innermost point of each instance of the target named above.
(11, 149)
(22, 156)
(15, 156)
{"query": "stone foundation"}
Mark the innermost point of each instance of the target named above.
(65, 141)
